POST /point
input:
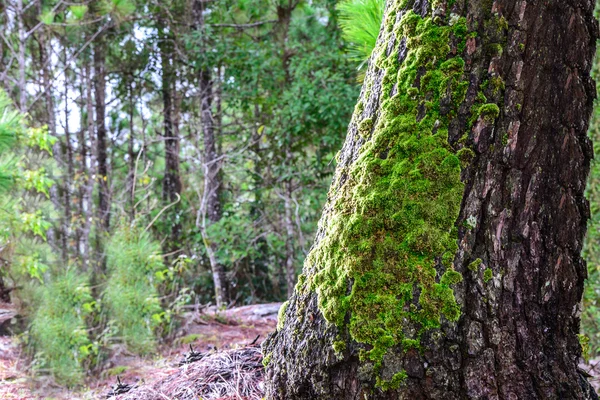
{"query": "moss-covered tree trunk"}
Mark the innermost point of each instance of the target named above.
(447, 262)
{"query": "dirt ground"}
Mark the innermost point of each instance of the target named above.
(208, 331)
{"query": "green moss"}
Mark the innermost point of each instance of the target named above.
(496, 85)
(408, 344)
(266, 360)
(465, 155)
(365, 127)
(393, 222)
(494, 49)
(502, 23)
(474, 266)
(451, 277)
(489, 111)
(281, 315)
(488, 274)
(394, 383)
(339, 346)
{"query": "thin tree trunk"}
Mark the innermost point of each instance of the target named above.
(66, 225)
(22, 43)
(212, 169)
(172, 180)
(88, 174)
(101, 136)
(56, 233)
(447, 261)
(131, 155)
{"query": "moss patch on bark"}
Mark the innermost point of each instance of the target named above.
(384, 267)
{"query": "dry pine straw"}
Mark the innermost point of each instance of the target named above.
(235, 374)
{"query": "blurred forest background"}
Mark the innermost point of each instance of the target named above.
(156, 154)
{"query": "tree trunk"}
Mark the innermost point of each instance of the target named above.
(211, 199)
(22, 43)
(68, 179)
(87, 174)
(101, 139)
(172, 179)
(131, 174)
(447, 261)
(56, 233)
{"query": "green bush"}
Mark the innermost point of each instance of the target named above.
(135, 266)
(58, 332)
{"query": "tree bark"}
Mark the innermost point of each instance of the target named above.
(514, 93)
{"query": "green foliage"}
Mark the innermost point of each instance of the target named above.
(10, 126)
(360, 21)
(58, 331)
(131, 296)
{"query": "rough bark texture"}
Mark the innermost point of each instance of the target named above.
(520, 228)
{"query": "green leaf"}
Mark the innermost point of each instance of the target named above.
(78, 11)
(47, 18)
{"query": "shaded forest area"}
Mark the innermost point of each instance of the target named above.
(160, 155)
(168, 154)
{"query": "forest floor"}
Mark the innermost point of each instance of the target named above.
(229, 365)
(225, 341)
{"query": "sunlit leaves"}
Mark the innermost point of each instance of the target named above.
(35, 223)
(37, 180)
(78, 11)
(47, 17)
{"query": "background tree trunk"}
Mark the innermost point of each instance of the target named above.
(172, 179)
(101, 136)
(519, 128)
(211, 207)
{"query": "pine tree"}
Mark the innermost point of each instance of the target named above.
(447, 261)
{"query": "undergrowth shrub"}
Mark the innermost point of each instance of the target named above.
(134, 263)
(58, 331)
